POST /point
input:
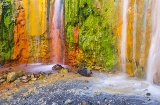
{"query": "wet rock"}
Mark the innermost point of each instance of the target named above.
(57, 67)
(148, 94)
(12, 76)
(85, 72)
(68, 101)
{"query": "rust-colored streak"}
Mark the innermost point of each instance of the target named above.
(76, 53)
(21, 52)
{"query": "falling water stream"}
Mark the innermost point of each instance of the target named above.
(57, 33)
(134, 30)
(124, 34)
(153, 69)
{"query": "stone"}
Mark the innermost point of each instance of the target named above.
(64, 70)
(148, 94)
(25, 81)
(19, 73)
(54, 103)
(84, 103)
(34, 79)
(85, 72)
(68, 101)
(97, 93)
(57, 67)
(3, 77)
(23, 78)
(2, 80)
(12, 76)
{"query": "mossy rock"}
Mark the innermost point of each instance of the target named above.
(64, 70)
(12, 76)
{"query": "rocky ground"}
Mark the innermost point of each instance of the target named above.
(71, 89)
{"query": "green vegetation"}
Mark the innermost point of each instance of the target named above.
(96, 20)
(6, 31)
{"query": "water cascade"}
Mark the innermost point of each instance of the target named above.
(153, 69)
(134, 30)
(57, 38)
(124, 34)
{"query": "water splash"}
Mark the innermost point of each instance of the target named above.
(124, 34)
(153, 66)
(57, 33)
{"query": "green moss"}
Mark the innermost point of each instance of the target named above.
(6, 32)
(96, 38)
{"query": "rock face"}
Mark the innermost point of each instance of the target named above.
(85, 72)
(12, 76)
(21, 45)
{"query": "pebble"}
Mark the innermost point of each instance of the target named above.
(68, 101)
(84, 103)
(2, 80)
(148, 94)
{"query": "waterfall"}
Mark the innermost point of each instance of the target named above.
(57, 33)
(144, 22)
(153, 67)
(124, 34)
(134, 30)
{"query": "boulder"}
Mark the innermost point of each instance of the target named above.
(12, 76)
(57, 67)
(85, 72)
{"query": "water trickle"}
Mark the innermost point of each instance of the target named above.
(124, 34)
(153, 67)
(134, 30)
(57, 33)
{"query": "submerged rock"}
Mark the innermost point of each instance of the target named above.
(57, 67)
(85, 72)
